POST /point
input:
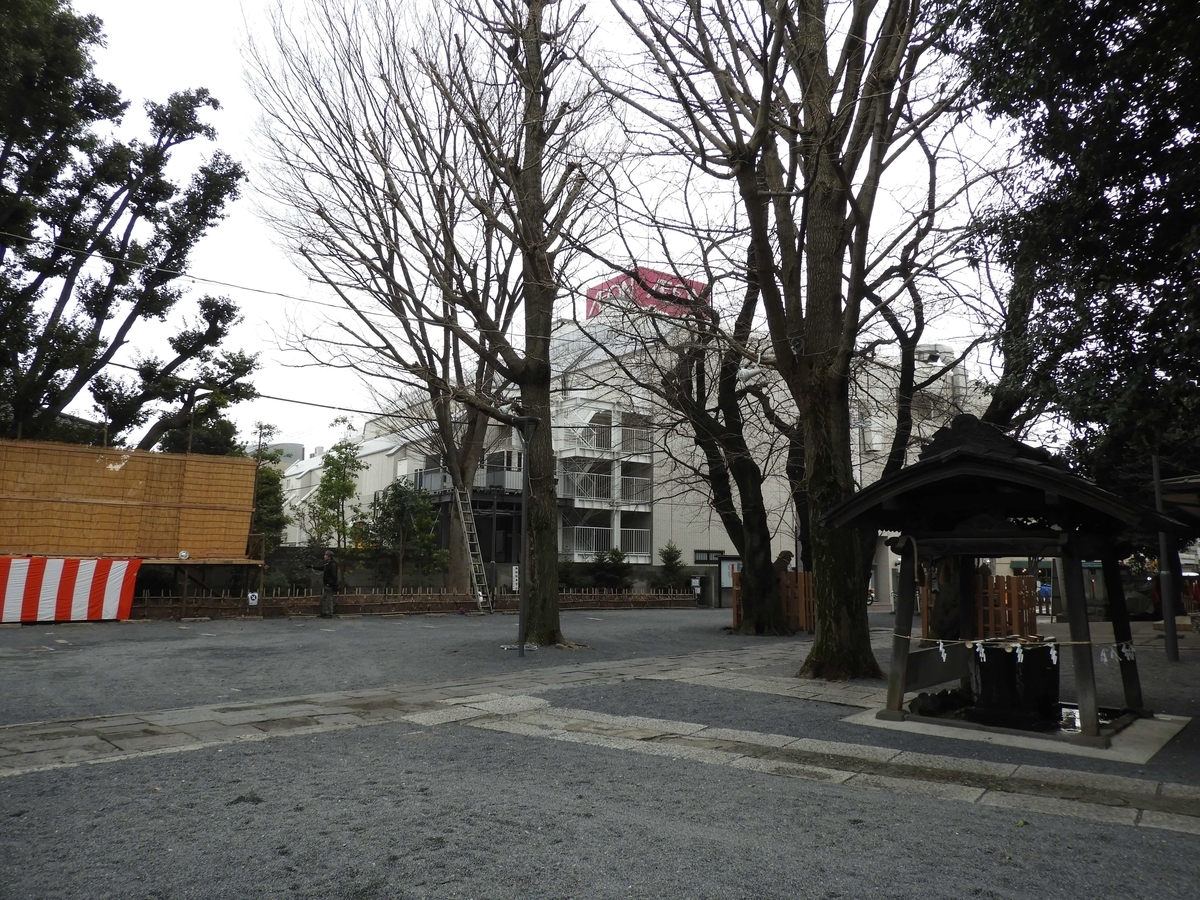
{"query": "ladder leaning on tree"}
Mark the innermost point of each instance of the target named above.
(466, 516)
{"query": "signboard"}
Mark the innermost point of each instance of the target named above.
(650, 290)
(516, 578)
(252, 597)
(729, 565)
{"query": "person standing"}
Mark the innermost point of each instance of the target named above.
(329, 583)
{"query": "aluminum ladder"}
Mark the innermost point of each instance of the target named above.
(466, 515)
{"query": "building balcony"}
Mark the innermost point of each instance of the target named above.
(605, 441)
(596, 489)
(581, 543)
(494, 478)
(635, 440)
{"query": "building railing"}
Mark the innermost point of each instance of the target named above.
(585, 539)
(635, 541)
(585, 486)
(636, 490)
(590, 437)
(635, 440)
(435, 481)
(493, 477)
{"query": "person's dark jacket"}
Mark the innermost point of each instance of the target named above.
(329, 573)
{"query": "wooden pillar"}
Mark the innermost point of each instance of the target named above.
(898, 673)
(967, 601)
(1081, 637)
(1119, 613)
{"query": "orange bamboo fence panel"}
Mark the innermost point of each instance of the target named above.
(69, 500)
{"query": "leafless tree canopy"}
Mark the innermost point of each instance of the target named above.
(432, 166)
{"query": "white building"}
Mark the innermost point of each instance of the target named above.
(625, 480)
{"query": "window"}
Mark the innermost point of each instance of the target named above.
(707, 556)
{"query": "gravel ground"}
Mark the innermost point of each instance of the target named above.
(400, 811)
(455, 812)
(108, 669)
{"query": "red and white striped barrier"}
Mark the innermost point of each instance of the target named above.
(46, 589)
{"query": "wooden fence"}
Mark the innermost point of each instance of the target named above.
(1005, 606)
(795, 591)
(363, 601)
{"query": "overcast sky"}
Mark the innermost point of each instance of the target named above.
(154, 49)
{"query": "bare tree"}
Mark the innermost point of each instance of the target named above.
(431, 164)
(803, 106)
(689, 368)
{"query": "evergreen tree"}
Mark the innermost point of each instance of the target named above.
(329, 513)
(672, 576)
(1103, 235)
(404, 524)
(94, 236)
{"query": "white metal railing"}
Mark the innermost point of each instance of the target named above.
(590, 437)
(496, 477)
(635, 490)
(635, 540)
(635, 440)
(587, 539)
(585, 486)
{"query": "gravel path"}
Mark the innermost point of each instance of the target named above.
(401, 810)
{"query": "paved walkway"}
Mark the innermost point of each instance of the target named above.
(522, 704)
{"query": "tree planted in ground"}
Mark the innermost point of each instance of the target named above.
(329, 514)
(270, 516)
(672, 577)
(610, 570)
(403, 523)
(94, 237)
(802, 107)
(1101, 239)
(433, 167)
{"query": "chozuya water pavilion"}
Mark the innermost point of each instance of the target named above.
(975, 494)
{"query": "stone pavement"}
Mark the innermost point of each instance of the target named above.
(522, 704)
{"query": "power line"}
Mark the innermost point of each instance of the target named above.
(202, 280)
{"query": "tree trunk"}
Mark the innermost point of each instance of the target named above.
(541, 568)
(842, 647)
(762, 610)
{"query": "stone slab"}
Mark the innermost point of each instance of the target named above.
(443, 716)
(791, 769)
(1077, 809)
(954, 764)
(837, 748)
(1135, 744)
(756, 738)
(938, 790)
(1169, 822)
(1117, 784)
(504, 706)
(135, 743)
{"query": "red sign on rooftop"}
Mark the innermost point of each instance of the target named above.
(650, 290)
